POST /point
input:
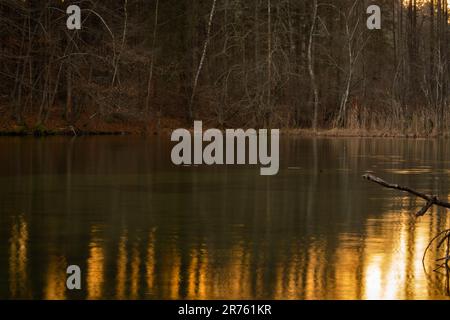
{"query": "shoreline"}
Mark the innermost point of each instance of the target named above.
(150, 130)
(87, 126)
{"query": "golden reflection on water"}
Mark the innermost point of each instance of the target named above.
(348, 258)
(55, 288)
(18, 259)
(410, 171)
(150, 263)
(197, 275)
(173, 273)
(95, 266)
(122, 267)
(383, 264)
(135, 274)
(237, 272)
(387, 265)
(385, 269)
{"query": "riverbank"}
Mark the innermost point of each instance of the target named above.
(121, 125)
(85, 125)
(362, 133)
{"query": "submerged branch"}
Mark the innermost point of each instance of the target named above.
(430, 199)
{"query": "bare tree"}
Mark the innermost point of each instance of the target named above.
(312, 74)
(202, 59)
(354, 46)
(153, 58)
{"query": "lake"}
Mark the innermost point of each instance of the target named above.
(142, 228)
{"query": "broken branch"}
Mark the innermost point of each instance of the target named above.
(430, 199)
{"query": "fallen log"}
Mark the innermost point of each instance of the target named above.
(430, 199)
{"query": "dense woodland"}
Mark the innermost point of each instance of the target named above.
(288, 63)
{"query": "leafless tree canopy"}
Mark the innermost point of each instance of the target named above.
(277, 63)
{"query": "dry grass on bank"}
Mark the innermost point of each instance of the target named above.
(120, 124)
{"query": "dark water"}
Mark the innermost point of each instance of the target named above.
(141, 228)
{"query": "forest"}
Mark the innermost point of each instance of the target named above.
(139, 65)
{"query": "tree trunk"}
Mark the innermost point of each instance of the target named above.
(312, 74)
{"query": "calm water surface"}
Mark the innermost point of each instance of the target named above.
(140, 227)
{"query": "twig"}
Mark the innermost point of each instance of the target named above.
(430, 199)
(431, 243)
